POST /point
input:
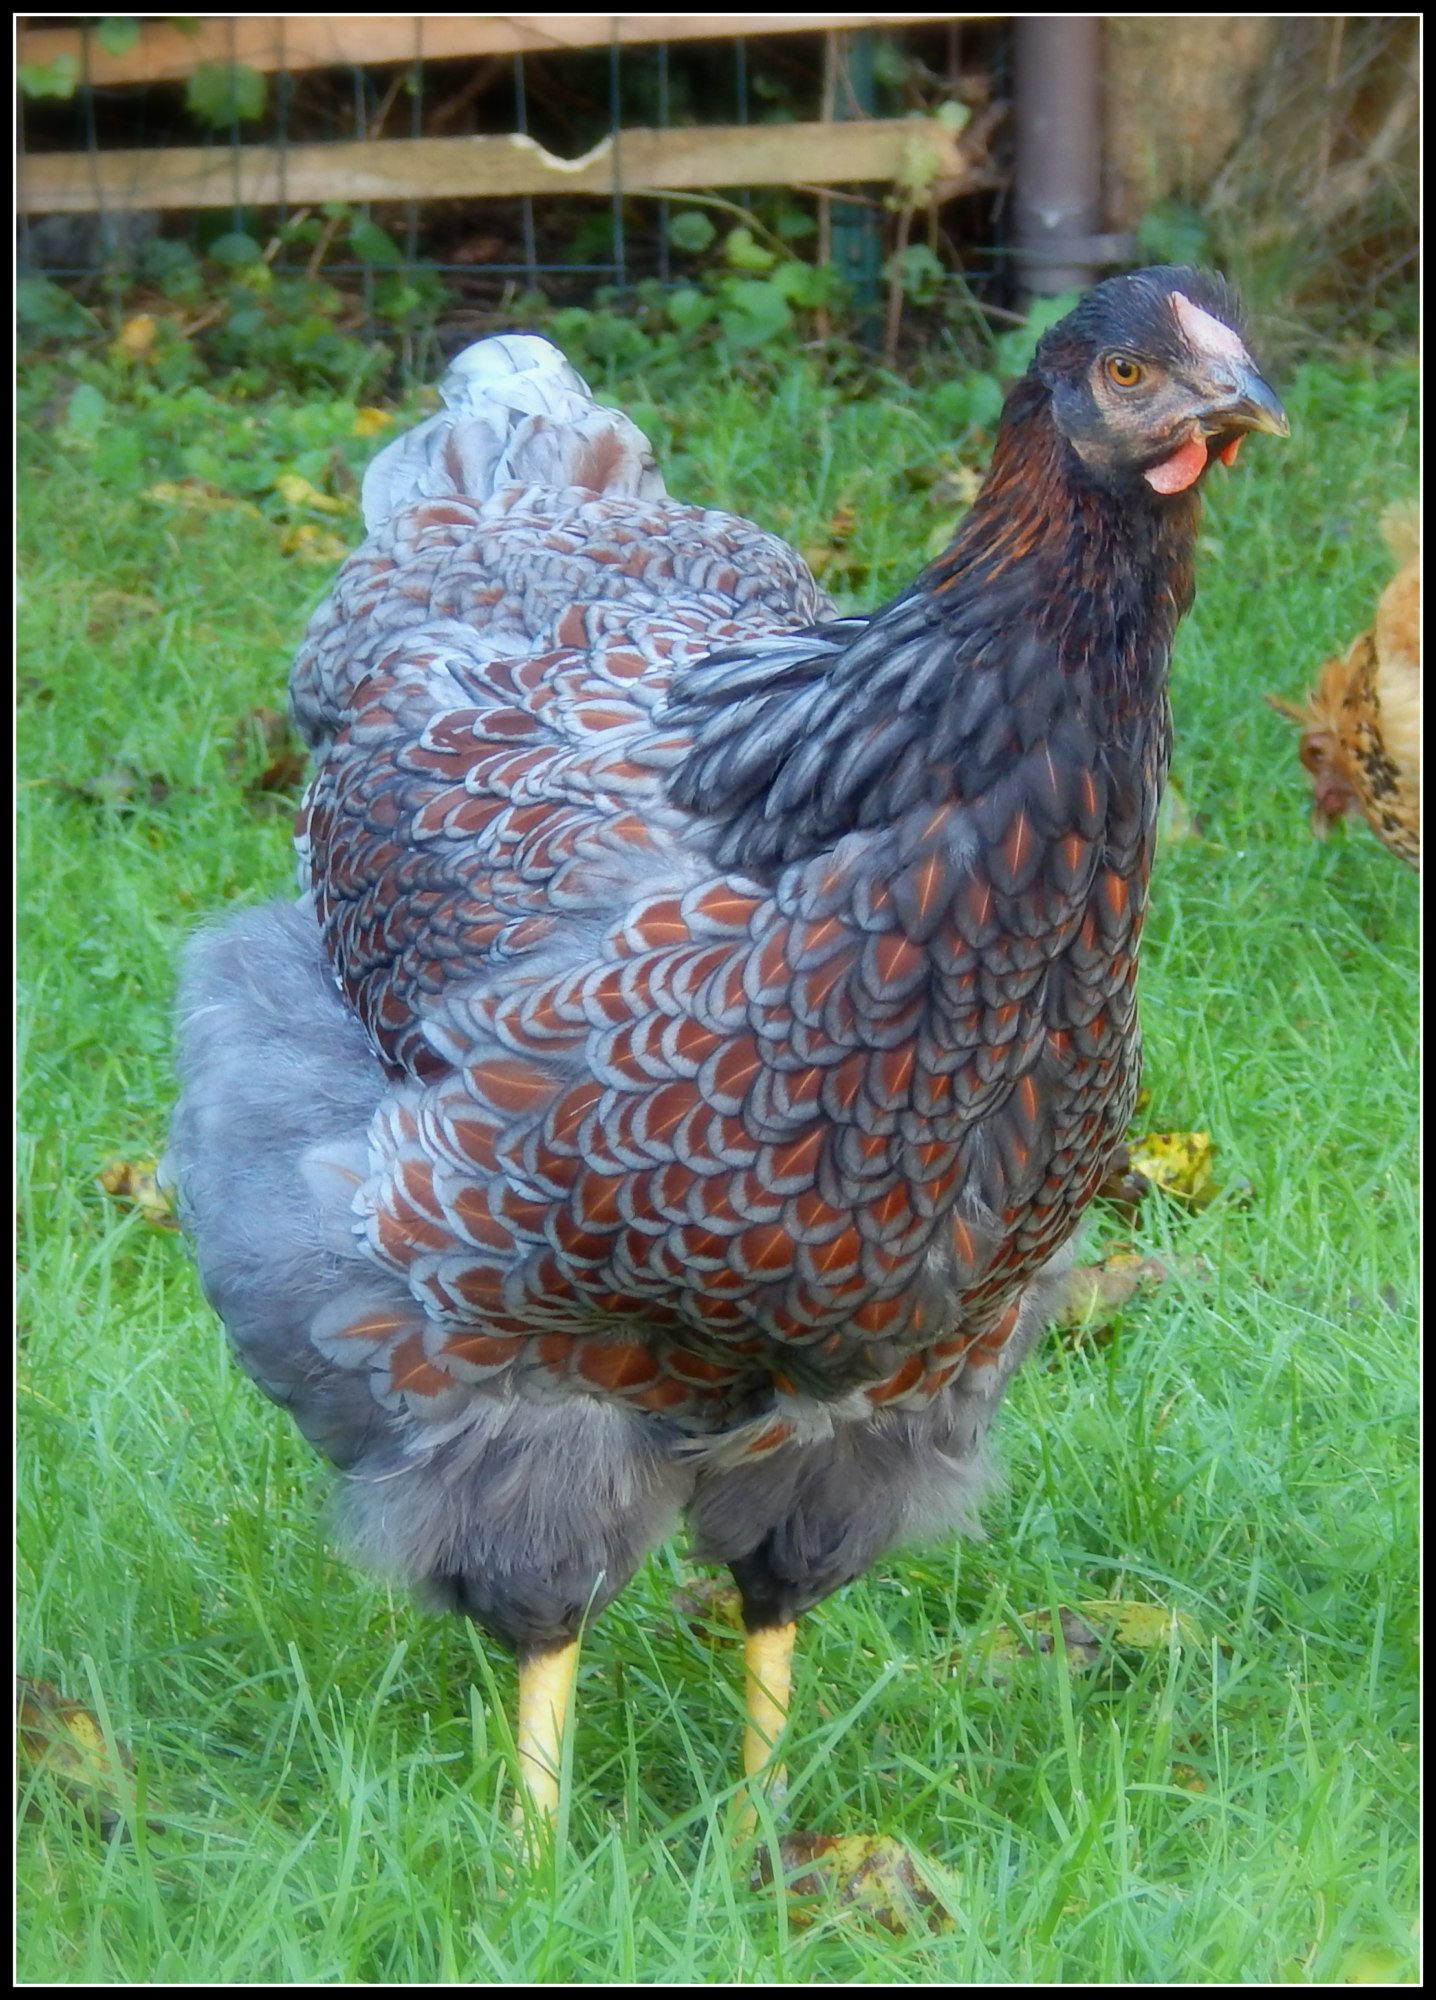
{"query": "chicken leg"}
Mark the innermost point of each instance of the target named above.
(768, 1667)
(545, 1685)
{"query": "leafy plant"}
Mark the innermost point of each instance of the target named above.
(235, 309)
(691, 230)
(236, 249)
(53, 79)
(117, 34)
(919, 272)
(372, 245)
(744, 253)
(225, 94)
(47, 310)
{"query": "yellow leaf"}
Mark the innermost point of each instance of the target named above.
(863, 1872)
(1093, 1295)
(1135, 1626)
(713, 1611)
(1180, 1163)
(296, 491)
(1376, 1965)
(61, 1741)
(137, 336)
(368, 422)
(198, 496)
(312, 544)
(1145, 1628)
(137, 1182)
(1001, 1646)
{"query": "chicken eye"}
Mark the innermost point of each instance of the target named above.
(1124, 371)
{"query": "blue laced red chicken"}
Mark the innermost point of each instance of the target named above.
(706, 1018)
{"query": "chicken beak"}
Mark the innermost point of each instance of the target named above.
(1250, 405)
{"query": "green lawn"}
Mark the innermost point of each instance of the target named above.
(322, 1772)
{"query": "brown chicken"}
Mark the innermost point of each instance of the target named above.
(1361, 722)
(705, 1018)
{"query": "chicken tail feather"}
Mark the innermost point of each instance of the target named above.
(515, 414)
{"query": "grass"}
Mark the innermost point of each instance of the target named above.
(323, 1773)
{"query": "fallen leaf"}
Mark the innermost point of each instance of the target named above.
(998, 1650)
(137, 336)
(712, 1610)
(1085, 1627)
(121, 786)
(1139, 1626)
(198, 496)
(1123, 1187)
(296, 491)
(1179, 1163)
(137, 1182)
(1093, 1295)
(312, 544)
(63, 1743)
(857, 1871)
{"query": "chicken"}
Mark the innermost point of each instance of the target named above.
(705, 1018)
(1361, 722)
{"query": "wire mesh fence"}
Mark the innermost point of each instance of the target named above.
(545, 155)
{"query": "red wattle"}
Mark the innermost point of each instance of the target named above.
(1175, 474)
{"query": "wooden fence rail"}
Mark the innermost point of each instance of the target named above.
(166, 53)
(918, 152)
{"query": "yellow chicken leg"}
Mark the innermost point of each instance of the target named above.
(545, 1683)
(768, 1662)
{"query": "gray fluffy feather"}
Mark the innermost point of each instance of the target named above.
(527, 1516)
(271, 1064)
(801, 1523)
(514, 413)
